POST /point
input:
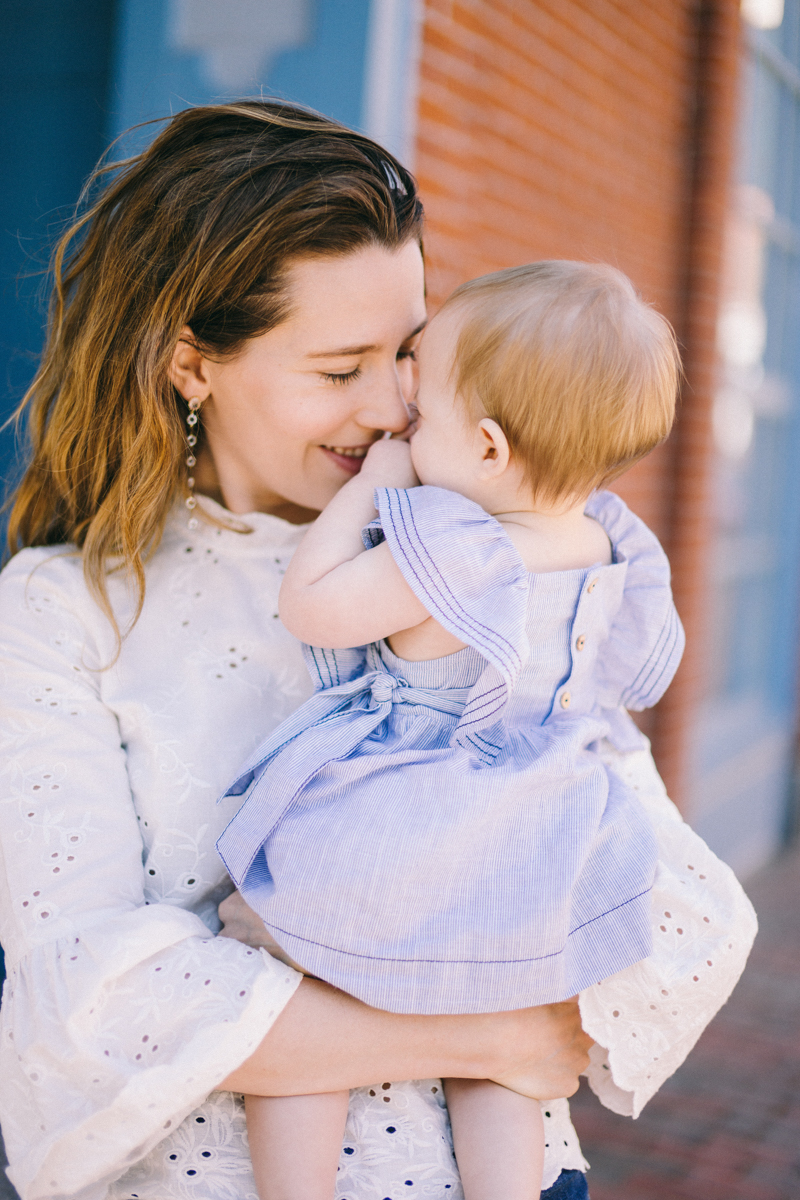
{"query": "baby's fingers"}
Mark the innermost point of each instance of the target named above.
(388, 464)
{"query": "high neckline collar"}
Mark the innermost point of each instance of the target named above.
(237, 532)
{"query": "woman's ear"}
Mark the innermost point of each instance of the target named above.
(494, 448)
(188, 369)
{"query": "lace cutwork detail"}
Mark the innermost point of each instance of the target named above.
(650, 1015)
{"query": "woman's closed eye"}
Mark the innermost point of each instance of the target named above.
(343, 377)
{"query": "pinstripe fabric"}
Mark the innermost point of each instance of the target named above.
(440, 836)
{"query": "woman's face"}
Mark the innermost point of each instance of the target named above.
(288, 421)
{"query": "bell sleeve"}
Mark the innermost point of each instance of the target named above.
(118, 1016)
(646, 1018)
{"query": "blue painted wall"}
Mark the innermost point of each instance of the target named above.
(54, 84)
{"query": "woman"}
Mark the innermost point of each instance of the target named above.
(235, 328)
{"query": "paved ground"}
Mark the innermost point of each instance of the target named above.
(727, 1125)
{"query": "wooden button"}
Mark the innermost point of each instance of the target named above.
(565, 699)
(580, 641)
(592, 586)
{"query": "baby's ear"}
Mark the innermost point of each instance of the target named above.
(494, 447)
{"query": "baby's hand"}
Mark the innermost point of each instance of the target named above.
(388, 464)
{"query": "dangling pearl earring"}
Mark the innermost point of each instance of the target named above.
(191, 442)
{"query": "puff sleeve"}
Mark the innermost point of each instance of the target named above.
(647, 639)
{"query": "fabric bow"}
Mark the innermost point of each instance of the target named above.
(342, 717)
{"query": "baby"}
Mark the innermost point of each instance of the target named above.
(434, 831)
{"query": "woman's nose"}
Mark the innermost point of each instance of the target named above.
(387, 407)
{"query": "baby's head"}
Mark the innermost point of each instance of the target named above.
(557, 368)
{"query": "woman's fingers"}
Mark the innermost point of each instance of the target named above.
(550, 1053)
(240, 922)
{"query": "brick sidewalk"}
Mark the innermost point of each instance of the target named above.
(727, 1125)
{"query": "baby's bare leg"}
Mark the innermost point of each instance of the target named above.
(295, 1143)
(498, 1137)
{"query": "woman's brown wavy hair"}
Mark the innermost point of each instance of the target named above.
(197, 230)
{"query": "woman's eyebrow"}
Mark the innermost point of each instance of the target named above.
(344, 351)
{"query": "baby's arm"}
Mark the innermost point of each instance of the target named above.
(337, 594)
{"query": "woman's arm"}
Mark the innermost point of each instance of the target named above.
(324, 1041)
(337, 594)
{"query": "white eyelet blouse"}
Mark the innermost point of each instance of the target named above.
(122, 1010)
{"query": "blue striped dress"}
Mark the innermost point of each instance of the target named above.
(441, 836)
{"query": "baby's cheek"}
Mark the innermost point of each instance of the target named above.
(420, 458)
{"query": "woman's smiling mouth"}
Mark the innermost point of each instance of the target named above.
(348, 458)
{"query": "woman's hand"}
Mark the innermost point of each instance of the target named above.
(240, 922)
(551, 1053)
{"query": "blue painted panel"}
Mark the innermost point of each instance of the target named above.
(329, 73)
(154, 77)
(53, 87)
(149, 80)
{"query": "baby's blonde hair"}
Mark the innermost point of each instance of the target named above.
(580, 374)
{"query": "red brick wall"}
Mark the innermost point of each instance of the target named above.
(569, 129)
(711, 167)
